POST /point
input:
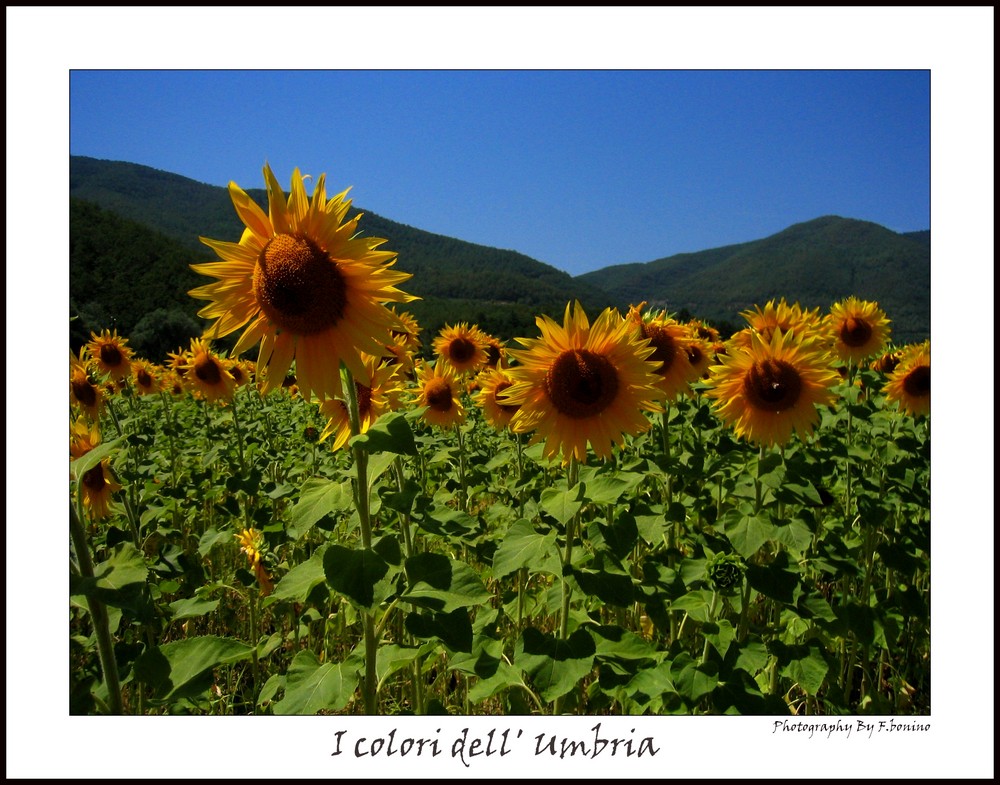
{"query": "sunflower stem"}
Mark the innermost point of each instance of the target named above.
(369, 684)
(98, 613)
(463, 497)
(571, 480)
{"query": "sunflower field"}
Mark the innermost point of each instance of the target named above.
(623, 514)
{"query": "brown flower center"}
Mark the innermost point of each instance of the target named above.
(84, 392)
(772, 386)
(664, 347)
(438, 394)
(855, 332)
(298, 286)
(143, 379)
(917, 382)
(207, 369)
(581, 384)
(695, 354)
(94, 479)
(461, 350)
(492, 355)
(111, 355)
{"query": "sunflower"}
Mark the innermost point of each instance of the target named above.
(241, 371)
(493, 384)
(772, 388)
(178, 361)
(496, 352)
(98, 483)
(398, 355)
(110, 354)
(579, 383)
(858, 328)
(439, 391)
(462, 347)
(778, 316)
(82, 389)
(408, 331)
(252, 544)
(373, 401)
(909, 385)
(206, 374)
(304, 285)
(699, 354)
(146, 377)
(669, 340)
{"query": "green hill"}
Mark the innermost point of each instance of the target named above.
(134, 230)
(815, 263)
(500, 290)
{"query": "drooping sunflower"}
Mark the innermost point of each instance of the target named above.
(252, 544)
(304, 285)
(83, 391)
(440, 391)
(178, 361)
(462, 347)
(98, 483)
(581, 383)
(111, 354)
(670, 341)
(771, 389)
(145, 377)
(380, 397)
(858, 329)
(909, 385)
(206, 374)
(493, 383)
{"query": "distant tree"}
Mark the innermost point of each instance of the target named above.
(162, 331)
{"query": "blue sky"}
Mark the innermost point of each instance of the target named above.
(577, 168)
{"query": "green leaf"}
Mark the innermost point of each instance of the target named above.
(505, 676)
(311, 687)
(192, 607)
(613, 587)
(210, 537)
(612, 641)
(748, 532)
(443, 584)
(90, 459)
(562, 504)
(183, 668)
(522, 546)
(389, 433)
(720, 634)
(453, 629)
(555, 666)
(392, 658)
(125, 568)
(357, 574)
(693, 680)
(298, 582)
(603, 488)
(804, 664)
(319, 497)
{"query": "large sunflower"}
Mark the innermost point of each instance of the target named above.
(440, 392)
(858, 328)
(583, 383)
(462, 347)
(380, 397)
(909, 385)
(206, 374)
(98, 483)
(767, 391)
(304, 285)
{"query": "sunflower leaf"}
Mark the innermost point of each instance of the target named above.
(390, 433)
